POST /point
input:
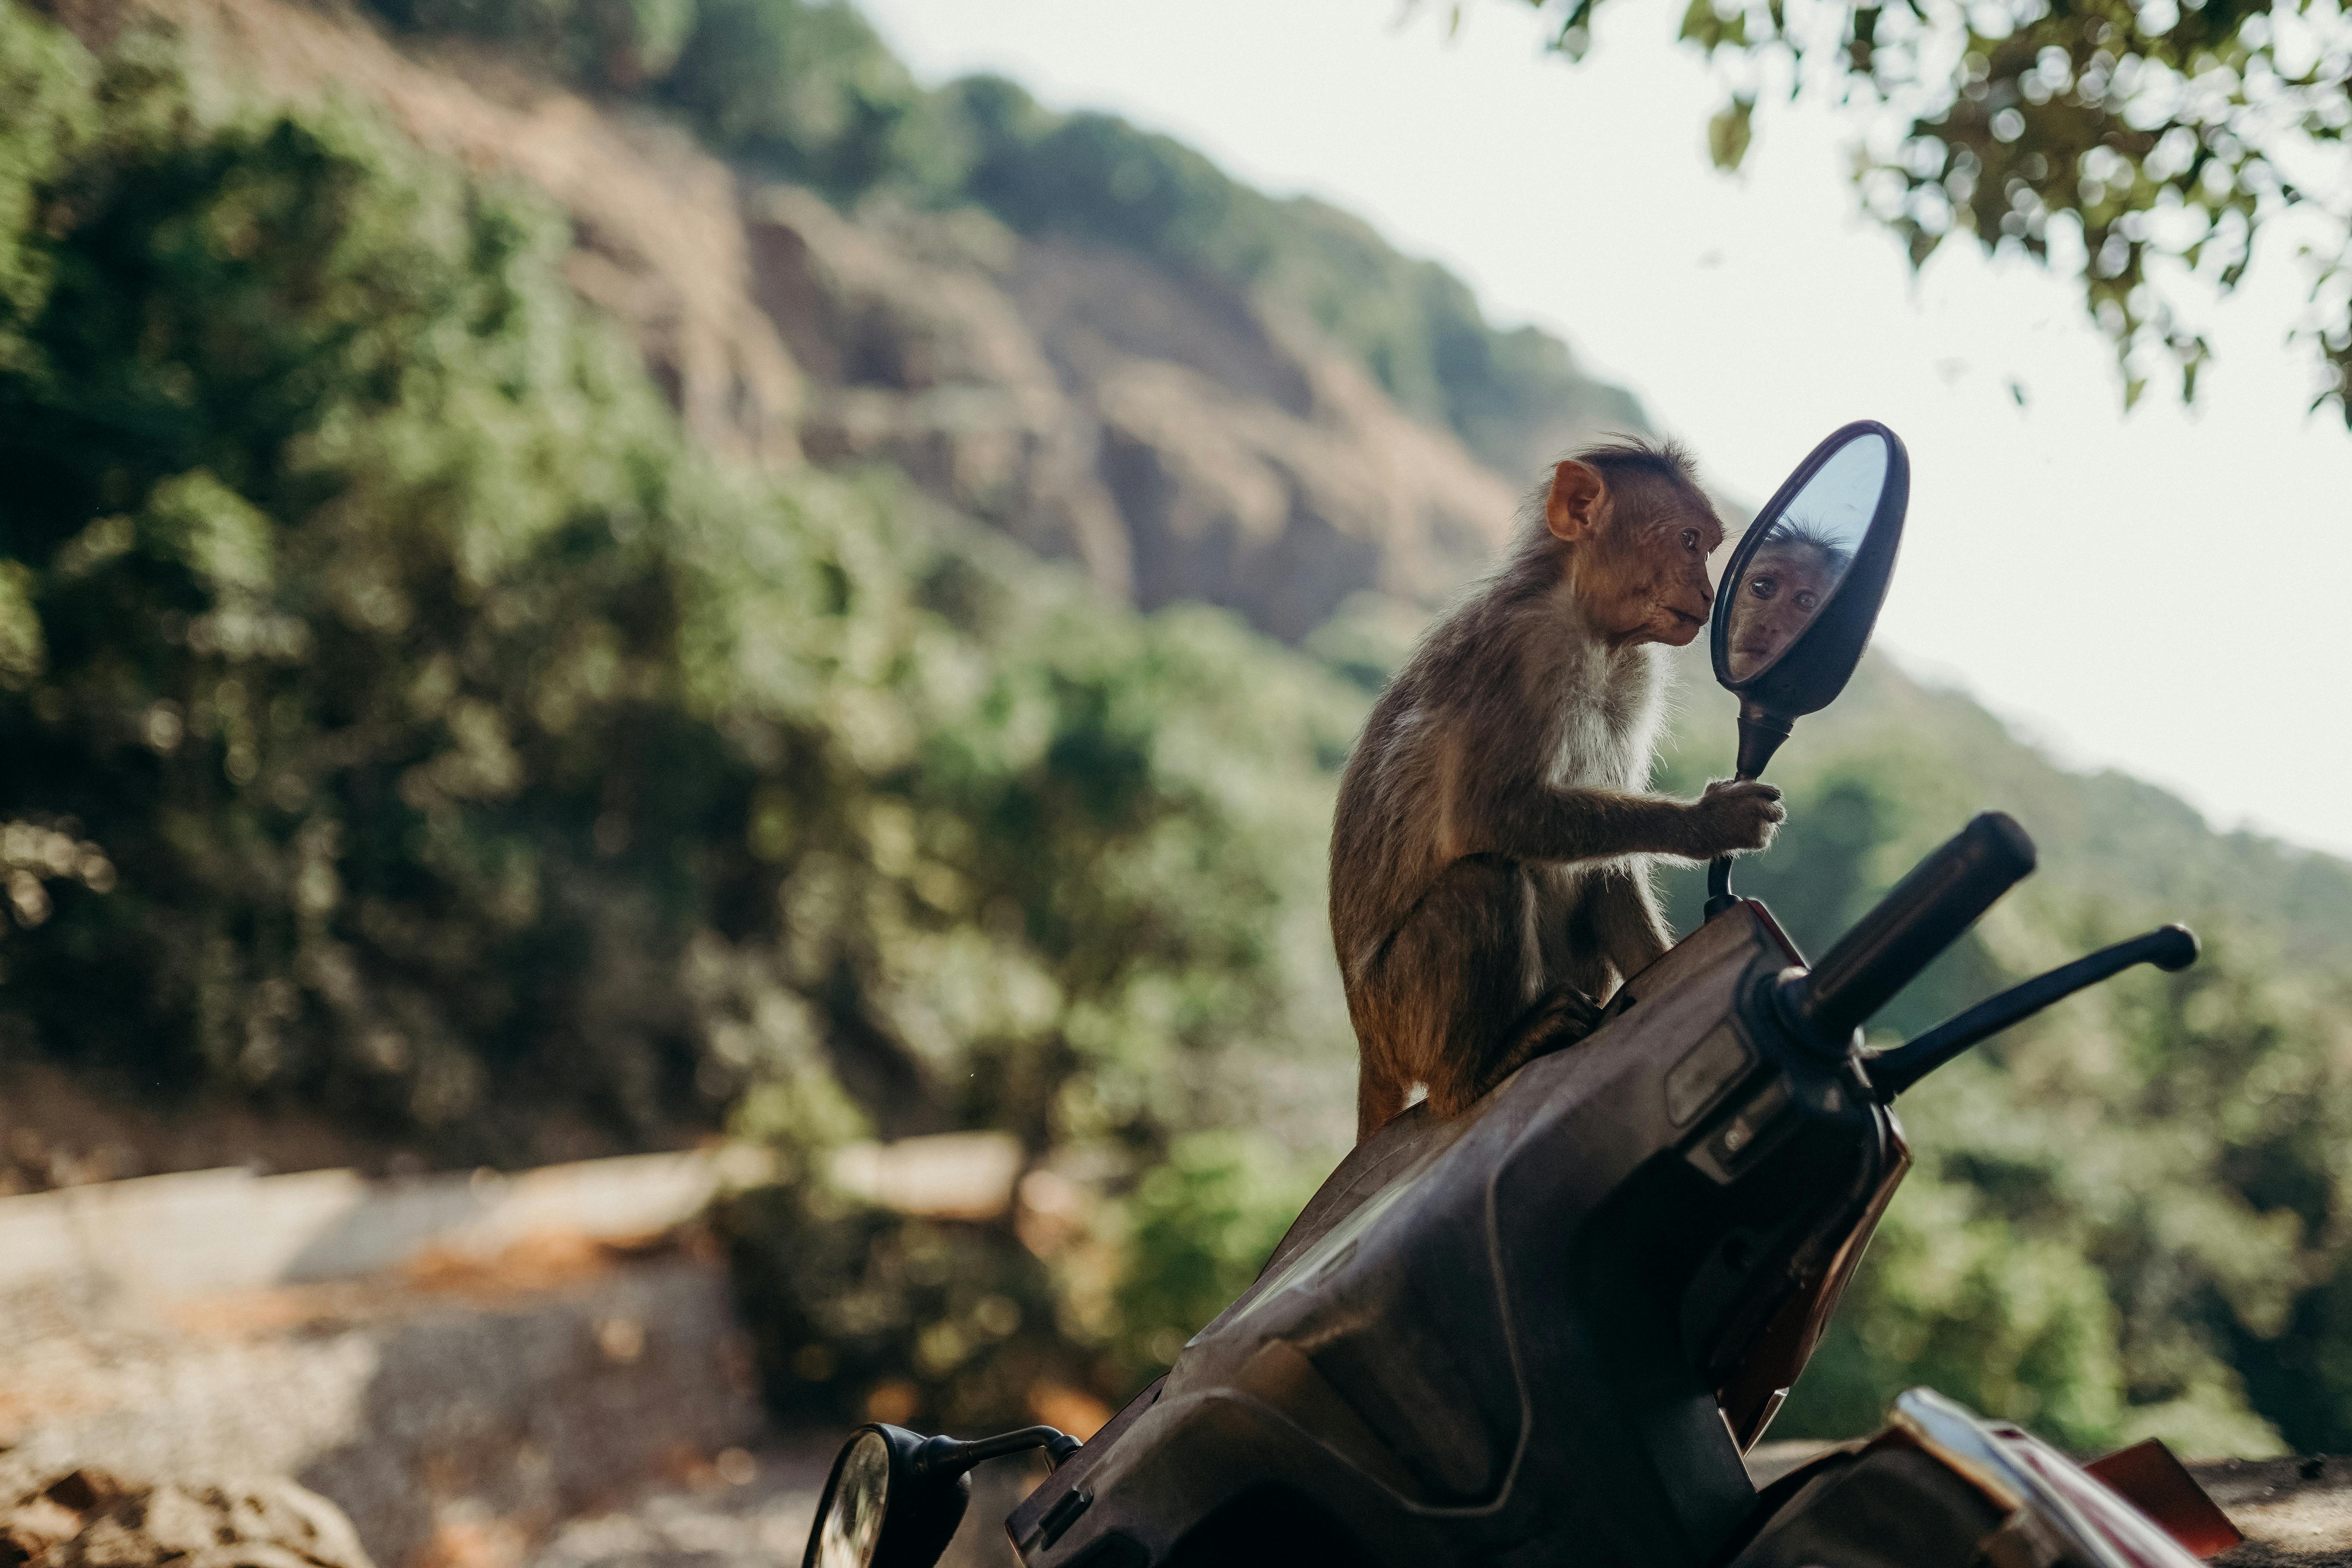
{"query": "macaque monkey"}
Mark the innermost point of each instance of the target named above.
(1488, 871)
(1788, 580)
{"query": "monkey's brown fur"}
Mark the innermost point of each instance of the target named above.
(1489, 878)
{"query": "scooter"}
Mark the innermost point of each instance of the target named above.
(1547, 1330)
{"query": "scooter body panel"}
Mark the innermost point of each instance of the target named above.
(1502, 1339)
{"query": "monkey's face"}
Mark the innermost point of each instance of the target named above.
(1637, 550)
(1654, 570)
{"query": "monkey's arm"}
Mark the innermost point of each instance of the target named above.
(1565, 825)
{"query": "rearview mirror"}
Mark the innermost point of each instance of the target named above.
(895, 1497)
(877, 1510)
(1801, 594)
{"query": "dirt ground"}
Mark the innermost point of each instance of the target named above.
(454, 1414)
(752, 1508)
(2295, 1512)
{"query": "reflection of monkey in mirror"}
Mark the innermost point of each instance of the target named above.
(1488, 877)
(1788, 580)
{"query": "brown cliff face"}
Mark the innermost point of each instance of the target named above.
(1253, 466)
(1160, 431)
(919, 360)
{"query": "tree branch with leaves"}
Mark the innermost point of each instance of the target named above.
(2141, 149)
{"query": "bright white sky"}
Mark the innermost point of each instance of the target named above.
(2161, 591)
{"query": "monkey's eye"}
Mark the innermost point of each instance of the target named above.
(1690, 538)
(1806, 601)
(1763, 587)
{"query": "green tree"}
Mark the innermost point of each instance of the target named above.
(398, 714)
(2143, 147)
(1202, 1225)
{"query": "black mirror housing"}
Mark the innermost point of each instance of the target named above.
(915, 1512)
(1806, 674)
(895, 1497)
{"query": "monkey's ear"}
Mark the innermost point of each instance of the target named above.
(1572, 510)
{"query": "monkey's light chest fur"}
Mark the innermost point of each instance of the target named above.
(1609, 744)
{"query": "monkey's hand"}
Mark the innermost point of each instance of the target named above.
(1734, 815)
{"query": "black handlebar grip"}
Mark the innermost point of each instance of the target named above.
(1924, 915)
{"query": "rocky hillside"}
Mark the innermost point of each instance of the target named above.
(1177, 437)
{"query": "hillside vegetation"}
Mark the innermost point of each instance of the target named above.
(404, 718)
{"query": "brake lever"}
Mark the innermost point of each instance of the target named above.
(2172, 947)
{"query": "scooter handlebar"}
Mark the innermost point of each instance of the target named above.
(1891, 1072)
(1925, 913)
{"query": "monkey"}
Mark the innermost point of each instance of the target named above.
(1489, 870)
(1787, 579)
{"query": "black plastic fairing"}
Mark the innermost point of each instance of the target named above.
(1477, 1340)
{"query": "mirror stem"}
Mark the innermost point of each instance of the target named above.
(944, 1457)
(1719, 895)
(1762, 732)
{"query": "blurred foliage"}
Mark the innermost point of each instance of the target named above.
(401, 723)
(858, 1313)
(1202, 1224)
(2139, 146)
(2131, 1214)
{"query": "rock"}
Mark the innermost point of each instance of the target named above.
(87, 1518)
(1253, 464)
(920, 360)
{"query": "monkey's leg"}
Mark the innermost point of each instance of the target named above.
(1611, 931)
(1561, 1016)
(1450, 986)
(1609, 928)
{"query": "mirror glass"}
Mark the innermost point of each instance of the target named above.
(852, 1525)
(1805, 554)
